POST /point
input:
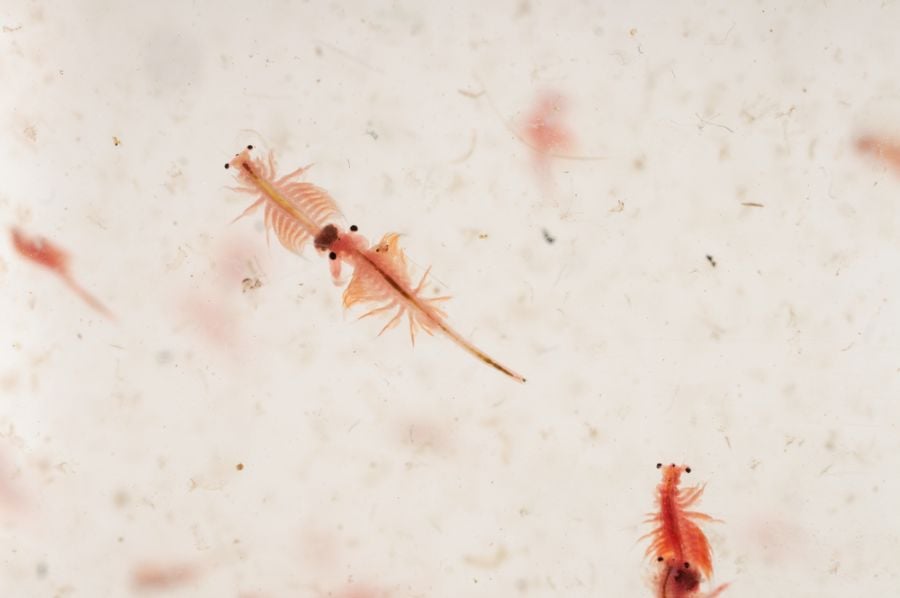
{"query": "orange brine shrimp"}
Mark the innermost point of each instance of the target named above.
(43, 252)
(299, 212)
(885, 150)
(678, 543)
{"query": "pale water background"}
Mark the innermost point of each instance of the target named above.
(371, 468)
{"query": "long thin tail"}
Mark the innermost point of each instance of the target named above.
(478, 352)
(88, 298)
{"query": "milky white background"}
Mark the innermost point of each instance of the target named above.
(371, 468)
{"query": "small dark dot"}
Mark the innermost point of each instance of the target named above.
(332, 256)
(659, 559)
(687, 565)
(673, 465)
(354, 228)
(687, 470)
(249, 147)
(239, 466)
(658, 465)
(226, 166)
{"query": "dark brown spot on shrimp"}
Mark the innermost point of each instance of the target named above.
(687, 580)
(326, 237)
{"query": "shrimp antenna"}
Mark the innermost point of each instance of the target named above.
(253, 133)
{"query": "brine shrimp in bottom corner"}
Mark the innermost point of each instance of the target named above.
(44, 253)
(300, 212)
(679, 546)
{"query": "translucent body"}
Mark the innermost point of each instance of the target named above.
(299, 212)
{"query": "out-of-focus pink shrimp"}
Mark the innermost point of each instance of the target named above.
(544, 130)
(299, 212)
(885, 150)
(43, 252)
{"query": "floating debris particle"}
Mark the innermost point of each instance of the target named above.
(491, 561)
(249, 284)
(470, 94)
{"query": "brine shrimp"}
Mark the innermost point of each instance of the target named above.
(544, 131)
(885, 150)
(46, 254)
(679, 545)
(300, 212)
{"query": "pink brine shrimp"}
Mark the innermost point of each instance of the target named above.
(44, 253)
(885, 150)
(300, 212)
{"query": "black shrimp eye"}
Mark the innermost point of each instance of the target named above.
(226, 166)
(687, 565)
(332, 256)
(354, 228)
(658, 465)
(249, 147)
(687, 470)
(659, 559)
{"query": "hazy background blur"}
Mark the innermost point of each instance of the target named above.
(720, 290)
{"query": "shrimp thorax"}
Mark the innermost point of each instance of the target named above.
(326, 237)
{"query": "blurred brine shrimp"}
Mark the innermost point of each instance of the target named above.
(885, 150)
(164, 576)
(545, 131)
(300, 212)
(44, 253)
(681, 549)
